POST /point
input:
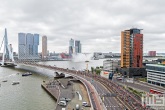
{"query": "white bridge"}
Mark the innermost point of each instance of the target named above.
(7, 58)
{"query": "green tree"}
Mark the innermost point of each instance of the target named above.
(98, 71)
(101, 67)
(92, 69)
(117, 70)
(97, 67)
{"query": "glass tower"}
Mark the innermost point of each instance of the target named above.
(28, 46)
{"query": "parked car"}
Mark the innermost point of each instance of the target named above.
(84, 103)
(65, 99)
(62, 103)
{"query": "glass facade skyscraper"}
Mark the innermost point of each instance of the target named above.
(77, 46)
(71, 47)
(28, 46)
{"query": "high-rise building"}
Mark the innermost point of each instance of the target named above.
(71, 47)
(44, 46)
(77, 46)
(152, 53)
(131, 48)
(28, 46)
(132, 53)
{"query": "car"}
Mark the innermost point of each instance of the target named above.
(65, 99)
(62, 99)
(62, 103)
(84, 103)
(87, 105)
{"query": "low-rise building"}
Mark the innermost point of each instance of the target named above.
(110, 65)
(156, 74)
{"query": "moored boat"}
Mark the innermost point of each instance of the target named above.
(4, 81)
(15, 82)
(27, 74)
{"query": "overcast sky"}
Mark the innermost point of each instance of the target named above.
(96, 23)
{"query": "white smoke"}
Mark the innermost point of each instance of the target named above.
(82, 57)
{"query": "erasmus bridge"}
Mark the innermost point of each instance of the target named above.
(103, 99)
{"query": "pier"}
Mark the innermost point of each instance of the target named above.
(67, 88)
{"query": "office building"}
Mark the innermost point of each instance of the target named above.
(152, 53)
(44, 47)
(71, 47)
(77, 46)
(156, 74)
(131, 48)
(28, 46)
(132, 52)
(110, 65)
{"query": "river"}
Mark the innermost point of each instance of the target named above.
(28, 95)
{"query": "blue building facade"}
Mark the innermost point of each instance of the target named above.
(28, 46)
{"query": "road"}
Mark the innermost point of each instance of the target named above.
(138, 85)
(110, 102)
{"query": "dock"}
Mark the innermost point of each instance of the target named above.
(67, 88)
(52, 89)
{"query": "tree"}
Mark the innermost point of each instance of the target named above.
(92, 69)
(97, 67)
(98, 71)
(117, 70)
(101, 67)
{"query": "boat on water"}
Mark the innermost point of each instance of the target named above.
(27, 74)
(15, 82)
(4, 81)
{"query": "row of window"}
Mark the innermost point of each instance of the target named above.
(155, 75)
(155, 68)
(156, 80)
(162, 79)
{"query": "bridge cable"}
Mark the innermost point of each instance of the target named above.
(2, 43)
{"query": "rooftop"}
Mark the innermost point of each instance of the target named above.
(156, 65)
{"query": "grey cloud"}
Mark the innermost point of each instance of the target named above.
(97, 24)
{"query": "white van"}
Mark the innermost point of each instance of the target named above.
(62, 103)
(84, 103)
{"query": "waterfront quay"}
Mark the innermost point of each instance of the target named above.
(69, 88)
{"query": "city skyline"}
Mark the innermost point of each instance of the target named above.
(96, 24)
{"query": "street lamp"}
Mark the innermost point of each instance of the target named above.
(86, 65)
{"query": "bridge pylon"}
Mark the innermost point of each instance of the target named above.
(7, 58)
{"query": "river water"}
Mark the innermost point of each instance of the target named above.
(28, 95)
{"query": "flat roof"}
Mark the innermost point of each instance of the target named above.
(156, 65)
